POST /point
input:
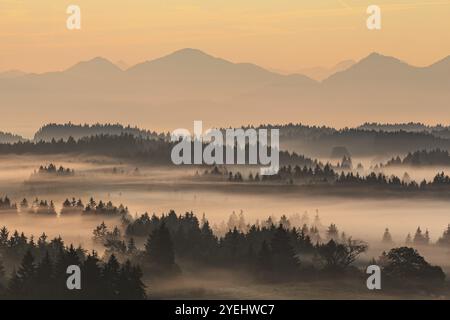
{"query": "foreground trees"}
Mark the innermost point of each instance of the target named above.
(160, 253)
(40, 271)
(46, 279)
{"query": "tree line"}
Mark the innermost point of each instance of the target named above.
(436, 157)
(69, 206)
(39, 271)
(267, 251)
(77, 131)
(327, 176)
(52, 170)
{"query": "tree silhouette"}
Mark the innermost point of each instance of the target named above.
(387, 238)
(405, 266)
(160, 251)
(22, 282)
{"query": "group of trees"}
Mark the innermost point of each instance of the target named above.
(420, 238)
(327, 176)
(423, 238)
(151, 150)
(68, 206)
(67, 130)
(124, 146)
(6, 137)
(40, 207)
(268, 251)
(52, 170)
(39, 271)
(289, 174)
(436, 157)
(105, 208)
(7, 205)
(437, 130)
(366, 140)
(114, 242)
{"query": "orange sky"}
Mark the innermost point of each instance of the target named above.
(282, 35)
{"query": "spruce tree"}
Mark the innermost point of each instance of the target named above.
(387, 238)
(44, 278)
(130, 286)
(22, 282)
(2, 274)
(110, 278)
(265, 259)
(91, 280)
(159, 248)
(283, 253)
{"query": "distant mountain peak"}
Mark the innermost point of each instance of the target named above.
(378, 58)
(183, 60)
(95, 65)
(189, 56)
(190, 52)
(375, 68)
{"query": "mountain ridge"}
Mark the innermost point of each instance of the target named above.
(174, 90)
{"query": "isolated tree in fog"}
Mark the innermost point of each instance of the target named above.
(408, 239)
(387, 238)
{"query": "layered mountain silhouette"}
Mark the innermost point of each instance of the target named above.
(189, 84)
(321, 73)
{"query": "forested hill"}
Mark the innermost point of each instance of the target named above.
(370, 139)
(320, 141)
(77, 131)
(6, 137)
(435, 157)
(437, 130)
(123, 146)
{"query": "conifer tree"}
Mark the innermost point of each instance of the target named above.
(387, 238)
(282, 252)
(44, 277)
(160, 250)
(21, 283)
(130, 285)
(91, 280)
(110, 277)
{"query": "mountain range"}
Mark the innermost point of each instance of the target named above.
(187, 85)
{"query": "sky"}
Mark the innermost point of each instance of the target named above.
(282, 35)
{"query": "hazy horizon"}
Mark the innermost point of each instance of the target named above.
(123, 65)
(276, 35)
